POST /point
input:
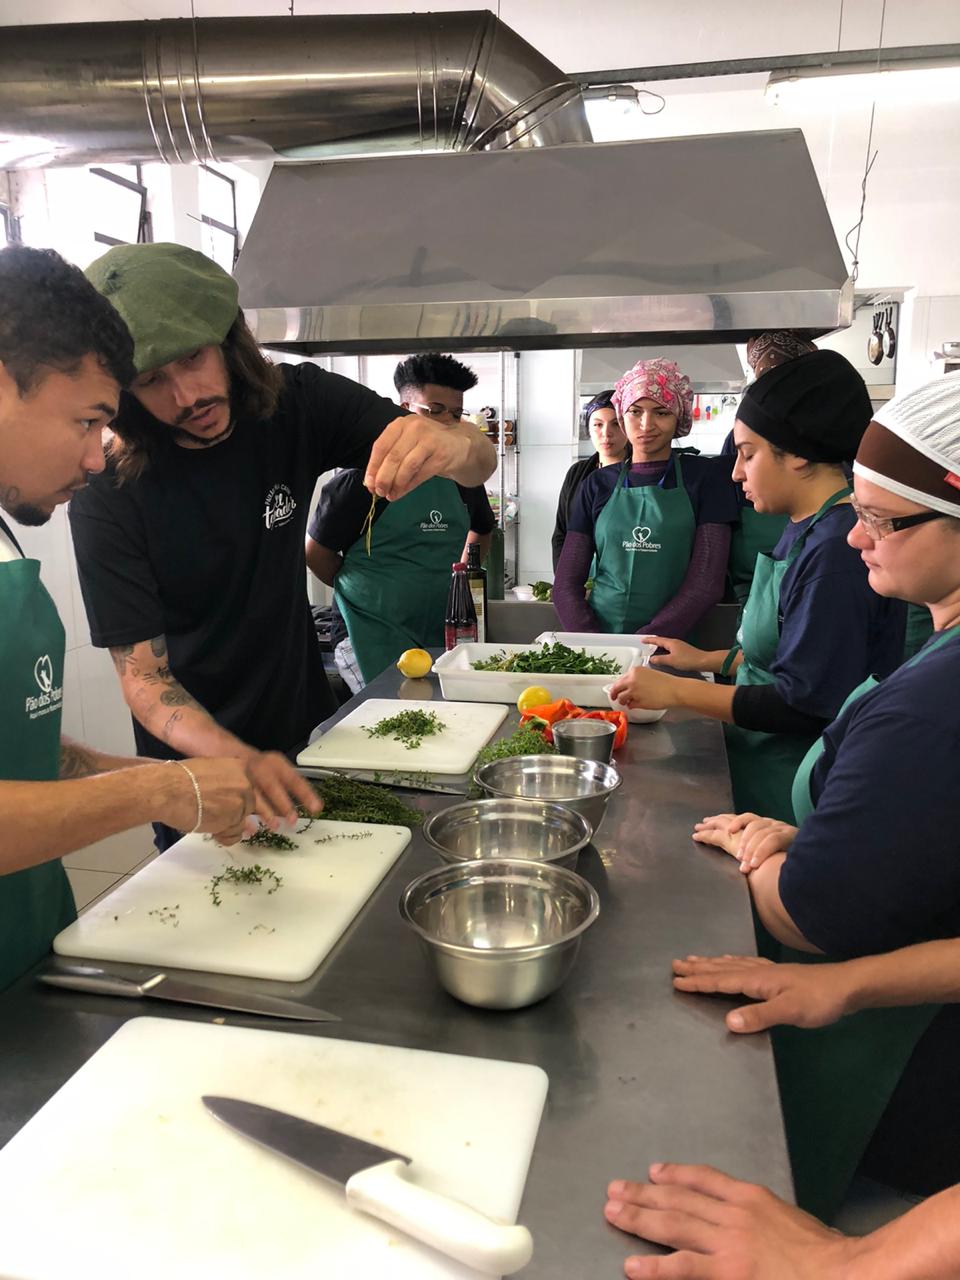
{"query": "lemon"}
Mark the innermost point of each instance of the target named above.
(535, 696)
(414, 663)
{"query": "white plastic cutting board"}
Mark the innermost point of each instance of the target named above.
(165, 915)
(452, 751)
(123, 1173)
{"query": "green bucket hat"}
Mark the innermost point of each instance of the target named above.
(173, 299)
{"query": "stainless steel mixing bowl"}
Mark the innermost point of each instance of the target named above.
(584, 786)
(499, 828)
(503, 933)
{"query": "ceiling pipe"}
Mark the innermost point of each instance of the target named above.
(294, 88)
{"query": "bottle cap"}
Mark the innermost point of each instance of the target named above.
(459, 565)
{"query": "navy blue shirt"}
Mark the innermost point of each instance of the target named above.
(707, 481)
(876, 866)
(834, 630)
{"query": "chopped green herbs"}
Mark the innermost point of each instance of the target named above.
(268, 839)
(166, 915)
(238, 877)
(341, 835)
(408, 727)
(524, 741)
(551, 659)
(347, 801)
(542, 591)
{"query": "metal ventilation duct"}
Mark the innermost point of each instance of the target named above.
(513, 249)
(213, 89)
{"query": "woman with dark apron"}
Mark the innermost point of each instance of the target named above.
(875, 862)
(658, 529)
(812, 629)
(758, 531)
(598, 420)
(35, 903)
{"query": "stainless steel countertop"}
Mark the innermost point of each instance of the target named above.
(637, 1071)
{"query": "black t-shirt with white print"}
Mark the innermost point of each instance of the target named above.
(207, 549)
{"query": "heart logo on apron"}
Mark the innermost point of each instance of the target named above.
(43, 673)
(436, 517)
(641, 534)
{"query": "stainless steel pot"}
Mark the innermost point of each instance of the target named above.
(500, 934)
(499, 828)
(584, 786)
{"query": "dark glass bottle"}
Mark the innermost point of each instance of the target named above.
(477, 578)
(460, 623)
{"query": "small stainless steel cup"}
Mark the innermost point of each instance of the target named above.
(586, 739)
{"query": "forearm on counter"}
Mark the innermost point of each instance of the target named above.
(923, 1244)
(926, 973)
(45, 820)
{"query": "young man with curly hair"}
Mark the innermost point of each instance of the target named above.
(391, 595)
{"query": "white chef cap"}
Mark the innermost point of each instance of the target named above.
(912, 446)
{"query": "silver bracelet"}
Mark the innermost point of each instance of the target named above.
(196, 791)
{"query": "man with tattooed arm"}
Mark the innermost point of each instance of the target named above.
(190, 546)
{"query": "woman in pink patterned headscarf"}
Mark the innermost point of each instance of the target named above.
(657, 528)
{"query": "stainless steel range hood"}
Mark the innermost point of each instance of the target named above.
(712, 369)
(567, 246)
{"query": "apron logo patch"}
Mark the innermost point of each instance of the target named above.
(279, 507)
(43, 673)
(641, 540)
(49, 698)
(435, 525)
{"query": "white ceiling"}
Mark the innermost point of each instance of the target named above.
(601, 34)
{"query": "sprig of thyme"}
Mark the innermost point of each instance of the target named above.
(236, 877)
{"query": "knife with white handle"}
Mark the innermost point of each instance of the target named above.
(375, 1183)
(162, 987)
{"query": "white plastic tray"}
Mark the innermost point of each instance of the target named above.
(459, 681)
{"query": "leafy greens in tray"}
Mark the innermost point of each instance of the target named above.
(551, 659)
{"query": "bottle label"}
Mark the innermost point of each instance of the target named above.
(464, 633)
(476, 590)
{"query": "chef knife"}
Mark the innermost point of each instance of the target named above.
(162, 987)
(375, 1183)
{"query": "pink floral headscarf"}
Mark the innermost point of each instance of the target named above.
(658, 380)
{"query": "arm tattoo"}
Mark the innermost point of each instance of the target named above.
(122, 655)
(75, 762)
(168, 727)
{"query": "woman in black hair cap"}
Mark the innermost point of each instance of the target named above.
(599, 418)
(812, 629)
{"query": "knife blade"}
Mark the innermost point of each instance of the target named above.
(373, 1178)
(162, 987)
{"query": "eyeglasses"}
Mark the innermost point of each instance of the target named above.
(880, 527)
(438, 411)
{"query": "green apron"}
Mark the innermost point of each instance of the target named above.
(37, 903)
(644, 539)
(919, 629)
(836, 1081)
(763, 765)
(756, 533)
(395, 598)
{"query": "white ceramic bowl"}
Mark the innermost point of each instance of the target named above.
(635, 715)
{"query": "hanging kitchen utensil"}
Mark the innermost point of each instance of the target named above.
(875, 341)
(696, 408)
(889, 336)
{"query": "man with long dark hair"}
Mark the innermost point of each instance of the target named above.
(391, 594)
(64, 353)
(190, 547)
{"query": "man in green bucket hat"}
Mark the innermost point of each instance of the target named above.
(190, 546)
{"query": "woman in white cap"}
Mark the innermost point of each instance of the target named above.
(875, 861)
